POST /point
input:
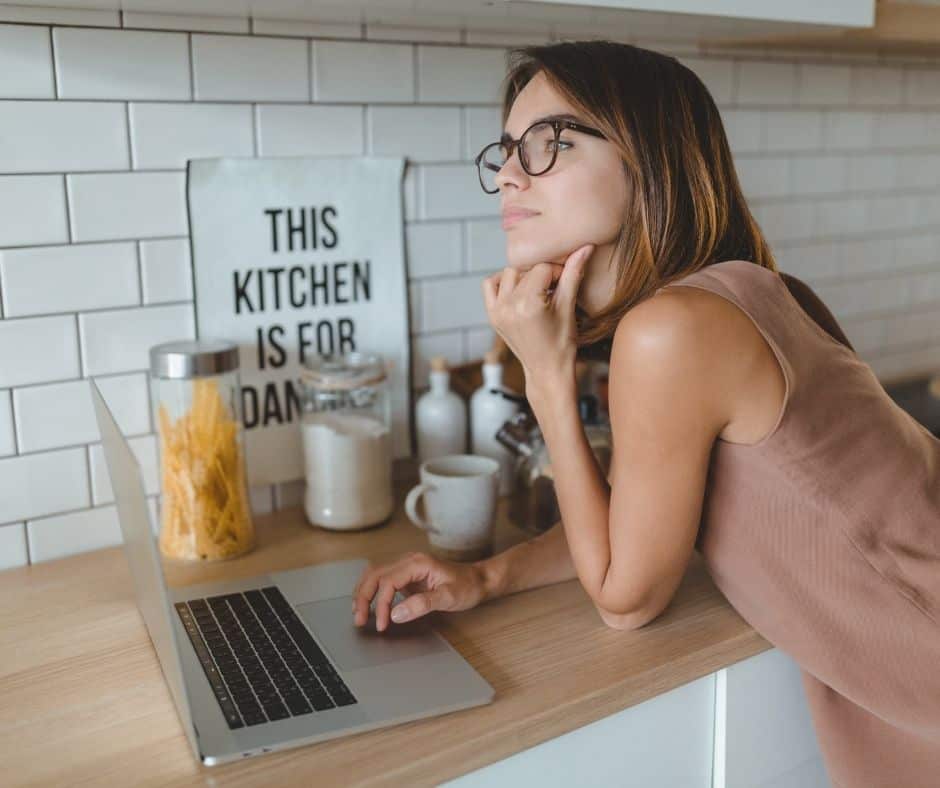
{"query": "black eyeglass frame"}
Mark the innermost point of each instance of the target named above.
(513, 145)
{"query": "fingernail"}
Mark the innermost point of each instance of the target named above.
(399, 614)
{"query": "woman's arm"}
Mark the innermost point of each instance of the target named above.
(630, 543)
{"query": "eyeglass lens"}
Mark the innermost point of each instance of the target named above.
(535, 151)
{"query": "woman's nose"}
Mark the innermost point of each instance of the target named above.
(512, 173)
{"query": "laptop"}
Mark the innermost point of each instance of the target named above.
(275, 661)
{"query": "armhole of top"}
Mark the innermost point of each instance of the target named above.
(778, 355)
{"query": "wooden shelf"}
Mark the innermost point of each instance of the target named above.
(900, 28)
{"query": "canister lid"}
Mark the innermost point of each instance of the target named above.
(193, 358)
(347, 371)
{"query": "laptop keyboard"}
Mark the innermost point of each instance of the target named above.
(262, 662)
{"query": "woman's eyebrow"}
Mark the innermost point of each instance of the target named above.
(506, 137)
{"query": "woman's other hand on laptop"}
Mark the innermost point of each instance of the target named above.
(428, 583)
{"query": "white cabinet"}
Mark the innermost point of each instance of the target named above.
(665, 742)
(764, 736)
(847, 13)
(746, 726)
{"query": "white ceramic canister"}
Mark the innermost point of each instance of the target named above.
(488, 412)
(440, 416)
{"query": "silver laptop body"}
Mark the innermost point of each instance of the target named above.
(404, 673)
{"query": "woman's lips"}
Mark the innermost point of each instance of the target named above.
(512, 217)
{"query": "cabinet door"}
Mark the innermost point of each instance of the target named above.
(764, 736)
(665, 742)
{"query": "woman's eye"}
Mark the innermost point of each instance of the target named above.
(562, 145)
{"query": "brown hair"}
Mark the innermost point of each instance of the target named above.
(687, 210)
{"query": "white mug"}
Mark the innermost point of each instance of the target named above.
(460, 494)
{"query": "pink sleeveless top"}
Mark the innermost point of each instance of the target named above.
(825, 537)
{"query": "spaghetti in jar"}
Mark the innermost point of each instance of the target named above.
(205, 513)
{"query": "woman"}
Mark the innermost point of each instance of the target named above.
(740, 426)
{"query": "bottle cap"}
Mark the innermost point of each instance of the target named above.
(439, 364)
(492, 357)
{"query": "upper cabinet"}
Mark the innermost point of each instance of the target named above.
(844, 13)
(912, 26)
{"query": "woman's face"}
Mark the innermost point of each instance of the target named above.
(581, 199)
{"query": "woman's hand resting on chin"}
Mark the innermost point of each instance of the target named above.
(539, 326)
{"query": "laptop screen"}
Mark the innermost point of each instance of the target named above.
(142, 553)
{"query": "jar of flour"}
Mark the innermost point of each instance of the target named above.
(346, 425)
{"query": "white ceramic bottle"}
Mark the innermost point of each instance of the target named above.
(441, 416)
(488, 412)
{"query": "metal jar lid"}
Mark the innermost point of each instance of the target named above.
(347, 371)
(193, 358)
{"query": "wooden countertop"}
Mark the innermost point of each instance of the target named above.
(83, 697)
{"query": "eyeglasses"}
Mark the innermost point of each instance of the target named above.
(538, 149)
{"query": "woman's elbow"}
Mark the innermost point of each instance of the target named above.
(627, 621)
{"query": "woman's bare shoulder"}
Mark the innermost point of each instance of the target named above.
(698, 338)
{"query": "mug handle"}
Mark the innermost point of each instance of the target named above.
(411, 507)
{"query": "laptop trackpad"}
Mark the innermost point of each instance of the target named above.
(353, 647)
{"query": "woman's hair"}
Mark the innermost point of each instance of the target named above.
(686, 209)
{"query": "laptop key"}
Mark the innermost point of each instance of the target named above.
(276, 711)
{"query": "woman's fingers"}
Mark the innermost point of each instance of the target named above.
(382, 583)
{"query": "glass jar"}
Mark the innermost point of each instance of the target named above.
(205, 513)
(346, 434)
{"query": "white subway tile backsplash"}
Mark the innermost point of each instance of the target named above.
(53, 416)
(538, 34)
(25, 62)
(166, 271)
(483, 126)
(38, 350)
(67, 278)
(235, 68)
(764, 176)
(33, 210)
(13, 552)
(486, 246)
(460, 74)
(120, 340)
(824, 83)
(423, 348)
(295, 28)
(127, 205)
(61, 414)
(848, 130)
(477, 342)
(841, 216)
(211, 24)
(295, 130)
(380, 32)
(818, 175)
(164, 136)
(901, 129)
(433, 249)
(289, 494)
(895, 212)
(86, 64)
(765, 83)
(73, 533)
(452, 303)
(717, 75)
(798, 130)
(918, 170)
(867, 256)
(914, 250)
(261, 499)
(873, 172)
(744, 129)
(62, 136)
(7, 441)
(414, 307)
(348, 71)
(923, 86)
(453, 191)
(879, 85)
(420, 133)
(785, 221)
(144, 449)
(33, 485)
